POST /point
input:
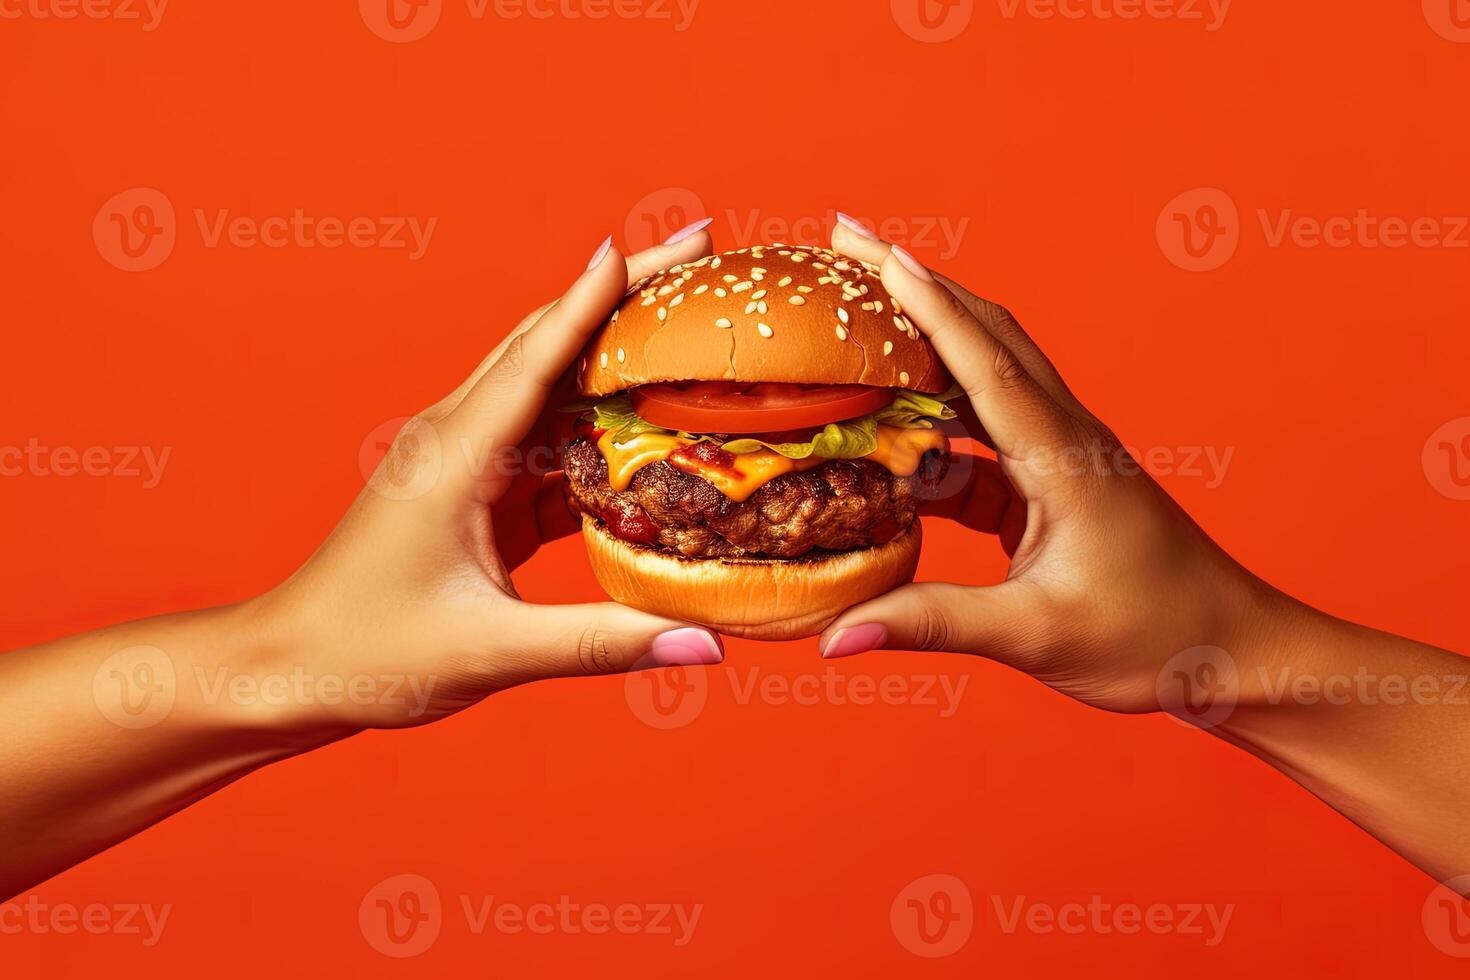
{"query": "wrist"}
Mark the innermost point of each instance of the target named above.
(255, 682)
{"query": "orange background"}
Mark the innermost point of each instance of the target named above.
(795, 826)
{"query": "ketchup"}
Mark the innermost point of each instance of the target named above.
(629, 522)
(702, 454)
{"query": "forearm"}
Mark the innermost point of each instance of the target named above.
(104, 734)
(1375, 725)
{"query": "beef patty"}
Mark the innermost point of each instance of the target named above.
(840, 505)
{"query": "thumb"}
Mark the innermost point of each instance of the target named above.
(988, 621)
(598, 638)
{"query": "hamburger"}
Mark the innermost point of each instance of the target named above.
(758, 436)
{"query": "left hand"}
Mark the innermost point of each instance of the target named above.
(413, 588)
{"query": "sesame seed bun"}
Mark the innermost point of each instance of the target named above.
(756, 598)
(792, 313)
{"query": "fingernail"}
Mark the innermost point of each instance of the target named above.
(912, 264)
(687, 647)
(855, 226)
(852, 640)
(600, 254)
(689, 230)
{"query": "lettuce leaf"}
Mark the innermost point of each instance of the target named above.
(852, 439)
(616, 415)
(849, 439)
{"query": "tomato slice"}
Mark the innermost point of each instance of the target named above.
(744, 408)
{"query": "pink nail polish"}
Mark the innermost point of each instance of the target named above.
(687, 647)
(912, 264)
(852, 640)
(689, 231)
(600, 254)
(855, 226)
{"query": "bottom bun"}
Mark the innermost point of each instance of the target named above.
(756, 598)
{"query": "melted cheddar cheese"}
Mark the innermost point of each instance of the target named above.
(899, 451)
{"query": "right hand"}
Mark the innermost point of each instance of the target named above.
(1109, 577)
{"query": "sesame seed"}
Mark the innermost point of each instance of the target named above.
(764, 330)
(716, 263)
(757, 276)
(877, 306)
(842, 315)
(903, 377)
(750, 307)
(897, 306)
(898, 322)
(603, 359)
(887, 347)
(758, 269)
(844, 266)
(785, 281)
(868, 307)
(701, 289)
(676, 301)
(663, 314)
(725, 324)
(649, 301)
(622, 355)
(721, 293)
(758, 294)
(797, 300)
(841, 332)
(803, 289)
(664, 291)
(908, 324)
(797, 257)
(730, 278)
(688, 274)
(741, 287)
(615, 315)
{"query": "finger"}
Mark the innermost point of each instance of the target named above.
(1022, 419)
(851, 237)
(500, 408)
(538, 641)
(696, 245)
(993, 622)
(1005, 328)
(554, 519)
(685, 245)
(982, 502)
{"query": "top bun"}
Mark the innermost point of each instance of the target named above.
(793, 313)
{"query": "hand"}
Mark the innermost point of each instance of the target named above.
(1109, 578)
(413, 588)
